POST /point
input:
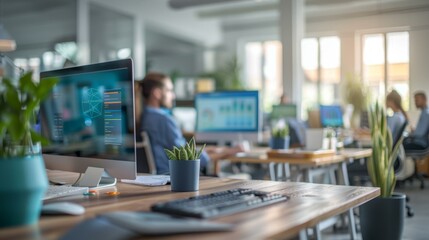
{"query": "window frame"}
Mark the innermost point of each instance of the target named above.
(384, 32)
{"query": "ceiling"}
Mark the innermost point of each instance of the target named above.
(242, 11)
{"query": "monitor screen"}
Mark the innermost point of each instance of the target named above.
(90, 114)
(331, 116)
(228, 111)
(283, 111)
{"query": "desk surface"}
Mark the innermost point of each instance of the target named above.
(343, 155)
(309, 204)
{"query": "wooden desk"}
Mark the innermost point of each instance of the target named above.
(309, 204)
(309, 167)
(260, 157)
(264, 159)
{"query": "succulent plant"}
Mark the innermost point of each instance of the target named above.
(186, 152)
(384, 154)
(280, 132)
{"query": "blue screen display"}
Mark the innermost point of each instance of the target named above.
(90, 113)
(331, 116)
(228, 111)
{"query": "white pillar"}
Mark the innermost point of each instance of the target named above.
(83, 56)
(139, 53)
(292, 29)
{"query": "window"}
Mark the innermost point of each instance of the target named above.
(263, 64)
(320, 59)
(386, 65)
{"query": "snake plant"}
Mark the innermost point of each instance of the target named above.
(384, 154)
(186, 152)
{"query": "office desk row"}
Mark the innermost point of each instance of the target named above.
(309, 167)
(309, 204)
(259, 156)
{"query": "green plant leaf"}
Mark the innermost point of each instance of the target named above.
(12, 97)
(38, 138)
(176, 152)
(15, 128)
(170, 154)
(200, 152)
(45, 86)
(183, 154)
(27, 84)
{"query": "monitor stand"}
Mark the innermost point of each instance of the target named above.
(96, 178)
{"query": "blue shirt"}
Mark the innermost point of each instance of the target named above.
(422, 128)
(395, 122)
(164, 132)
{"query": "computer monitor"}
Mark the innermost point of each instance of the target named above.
(331, 116)
(283, 111)
(228, 116)
(89, 121)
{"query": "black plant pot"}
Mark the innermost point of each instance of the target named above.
(185, 175)
(383, 218)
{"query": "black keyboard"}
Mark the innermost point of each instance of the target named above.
(219, 203)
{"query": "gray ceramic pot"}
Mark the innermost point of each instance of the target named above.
(185, 175)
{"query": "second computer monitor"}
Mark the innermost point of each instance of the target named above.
(228, 116)
(331, 116)
(283, 111)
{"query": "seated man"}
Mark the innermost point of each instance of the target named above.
(418, 139)
(163, 131)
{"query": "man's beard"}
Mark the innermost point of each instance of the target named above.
(163, 104)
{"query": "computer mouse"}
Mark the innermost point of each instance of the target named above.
(62, 208)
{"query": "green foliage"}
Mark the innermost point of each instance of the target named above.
(19, 103)
(227, 77)
(355, 93)
(280, 132)
(187, 152)
(380, 165)
(330, 133)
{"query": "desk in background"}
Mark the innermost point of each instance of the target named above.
(308, 205)
(309, 167)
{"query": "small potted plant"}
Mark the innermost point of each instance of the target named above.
(23, 179)
(329, 139)
(383, 217)
(185, 167)
(280, 138)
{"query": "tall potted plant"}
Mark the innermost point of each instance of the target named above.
(355, 93)
(383, 217)
(185, 167)
(23, 178)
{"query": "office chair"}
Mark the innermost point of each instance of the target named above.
(400, 160)
(399, 165)
(145, 159)
(296, 133)
(417, 155)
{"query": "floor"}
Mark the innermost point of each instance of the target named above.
(416, 228)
